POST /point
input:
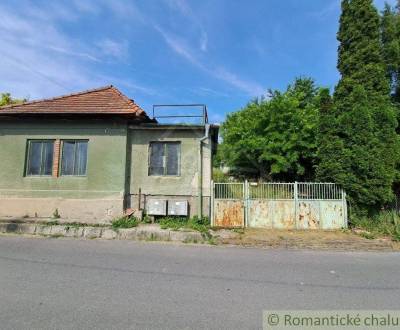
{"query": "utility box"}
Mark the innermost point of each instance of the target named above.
(176, 207)
(156, 207)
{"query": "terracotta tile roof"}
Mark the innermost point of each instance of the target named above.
(104, 100)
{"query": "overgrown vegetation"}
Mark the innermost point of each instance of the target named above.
(124, 222)
(350, 137)
(362, 124)
(385, 223)
(195, 223)
(274, 139)
(220, 176)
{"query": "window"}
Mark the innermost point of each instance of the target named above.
(74, 157)
(40, 157)
(164, 158)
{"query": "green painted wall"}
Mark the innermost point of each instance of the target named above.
(105, 167)
(184, 186)
(115, 167)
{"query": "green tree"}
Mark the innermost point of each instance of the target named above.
(365, 119)
(274, 139)
(6, 99)
(390, 29)
(329, 143)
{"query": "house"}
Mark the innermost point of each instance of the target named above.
(90, 156)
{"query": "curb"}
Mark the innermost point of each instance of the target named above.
(148, 233)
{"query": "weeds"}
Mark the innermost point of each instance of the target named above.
(175, 223)
(367, 235)
(385, 223)
(56, 214)
(147, 219)
(52, 223)
(124, 222)
(212, 241)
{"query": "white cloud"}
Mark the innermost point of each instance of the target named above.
(117, 49)
(38, 60)
(203, 41)
(183, 7)
(219, 72)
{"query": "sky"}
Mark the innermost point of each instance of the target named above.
(222, 53)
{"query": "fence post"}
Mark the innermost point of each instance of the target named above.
(246, 202)
(345, 219)
(212, 204)
(296, 203)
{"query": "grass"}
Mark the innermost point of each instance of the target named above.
(385, 223)
(175, 223)
(52, 223)
(124, 222)
(73, 224)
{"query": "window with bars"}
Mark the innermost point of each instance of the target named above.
(164, 158)
(40, 158)
(74, 157)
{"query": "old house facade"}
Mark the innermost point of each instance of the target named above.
(90, 156)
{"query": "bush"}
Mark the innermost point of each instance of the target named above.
(125, 222)
(385, 223)
(220, 176)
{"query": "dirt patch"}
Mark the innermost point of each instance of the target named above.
(312, 239)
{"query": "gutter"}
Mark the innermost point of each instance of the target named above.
(200, 181)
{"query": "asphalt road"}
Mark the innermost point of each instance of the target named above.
(71, 284)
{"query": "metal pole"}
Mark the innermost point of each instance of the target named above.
(212, 204)
(246, 202)
(296, 202)
(345, 220)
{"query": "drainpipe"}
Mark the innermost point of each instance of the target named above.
(200, 183)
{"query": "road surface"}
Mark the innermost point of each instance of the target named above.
(71, 284)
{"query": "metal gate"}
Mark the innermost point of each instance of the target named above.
(228, 205)
(302, 205)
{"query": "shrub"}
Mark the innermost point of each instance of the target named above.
(385, 223)
(219, 175)
(125, 222)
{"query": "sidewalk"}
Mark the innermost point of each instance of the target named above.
(261, 238)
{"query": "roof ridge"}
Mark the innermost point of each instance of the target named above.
(59, 97)
(129, 101)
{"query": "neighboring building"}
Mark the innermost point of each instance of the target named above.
(93, 155)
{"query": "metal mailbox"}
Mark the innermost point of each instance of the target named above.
(178, 207)
(156, 207)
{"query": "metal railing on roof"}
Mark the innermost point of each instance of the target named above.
(175, 117)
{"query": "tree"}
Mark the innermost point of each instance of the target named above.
(390, 29)
(365, 119)
(274, 139)
(329, 143)
(6, 99)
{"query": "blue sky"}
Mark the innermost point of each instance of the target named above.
(219, 52)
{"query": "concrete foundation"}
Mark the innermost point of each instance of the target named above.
(69, 210)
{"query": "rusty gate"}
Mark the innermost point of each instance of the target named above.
(299, 205)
